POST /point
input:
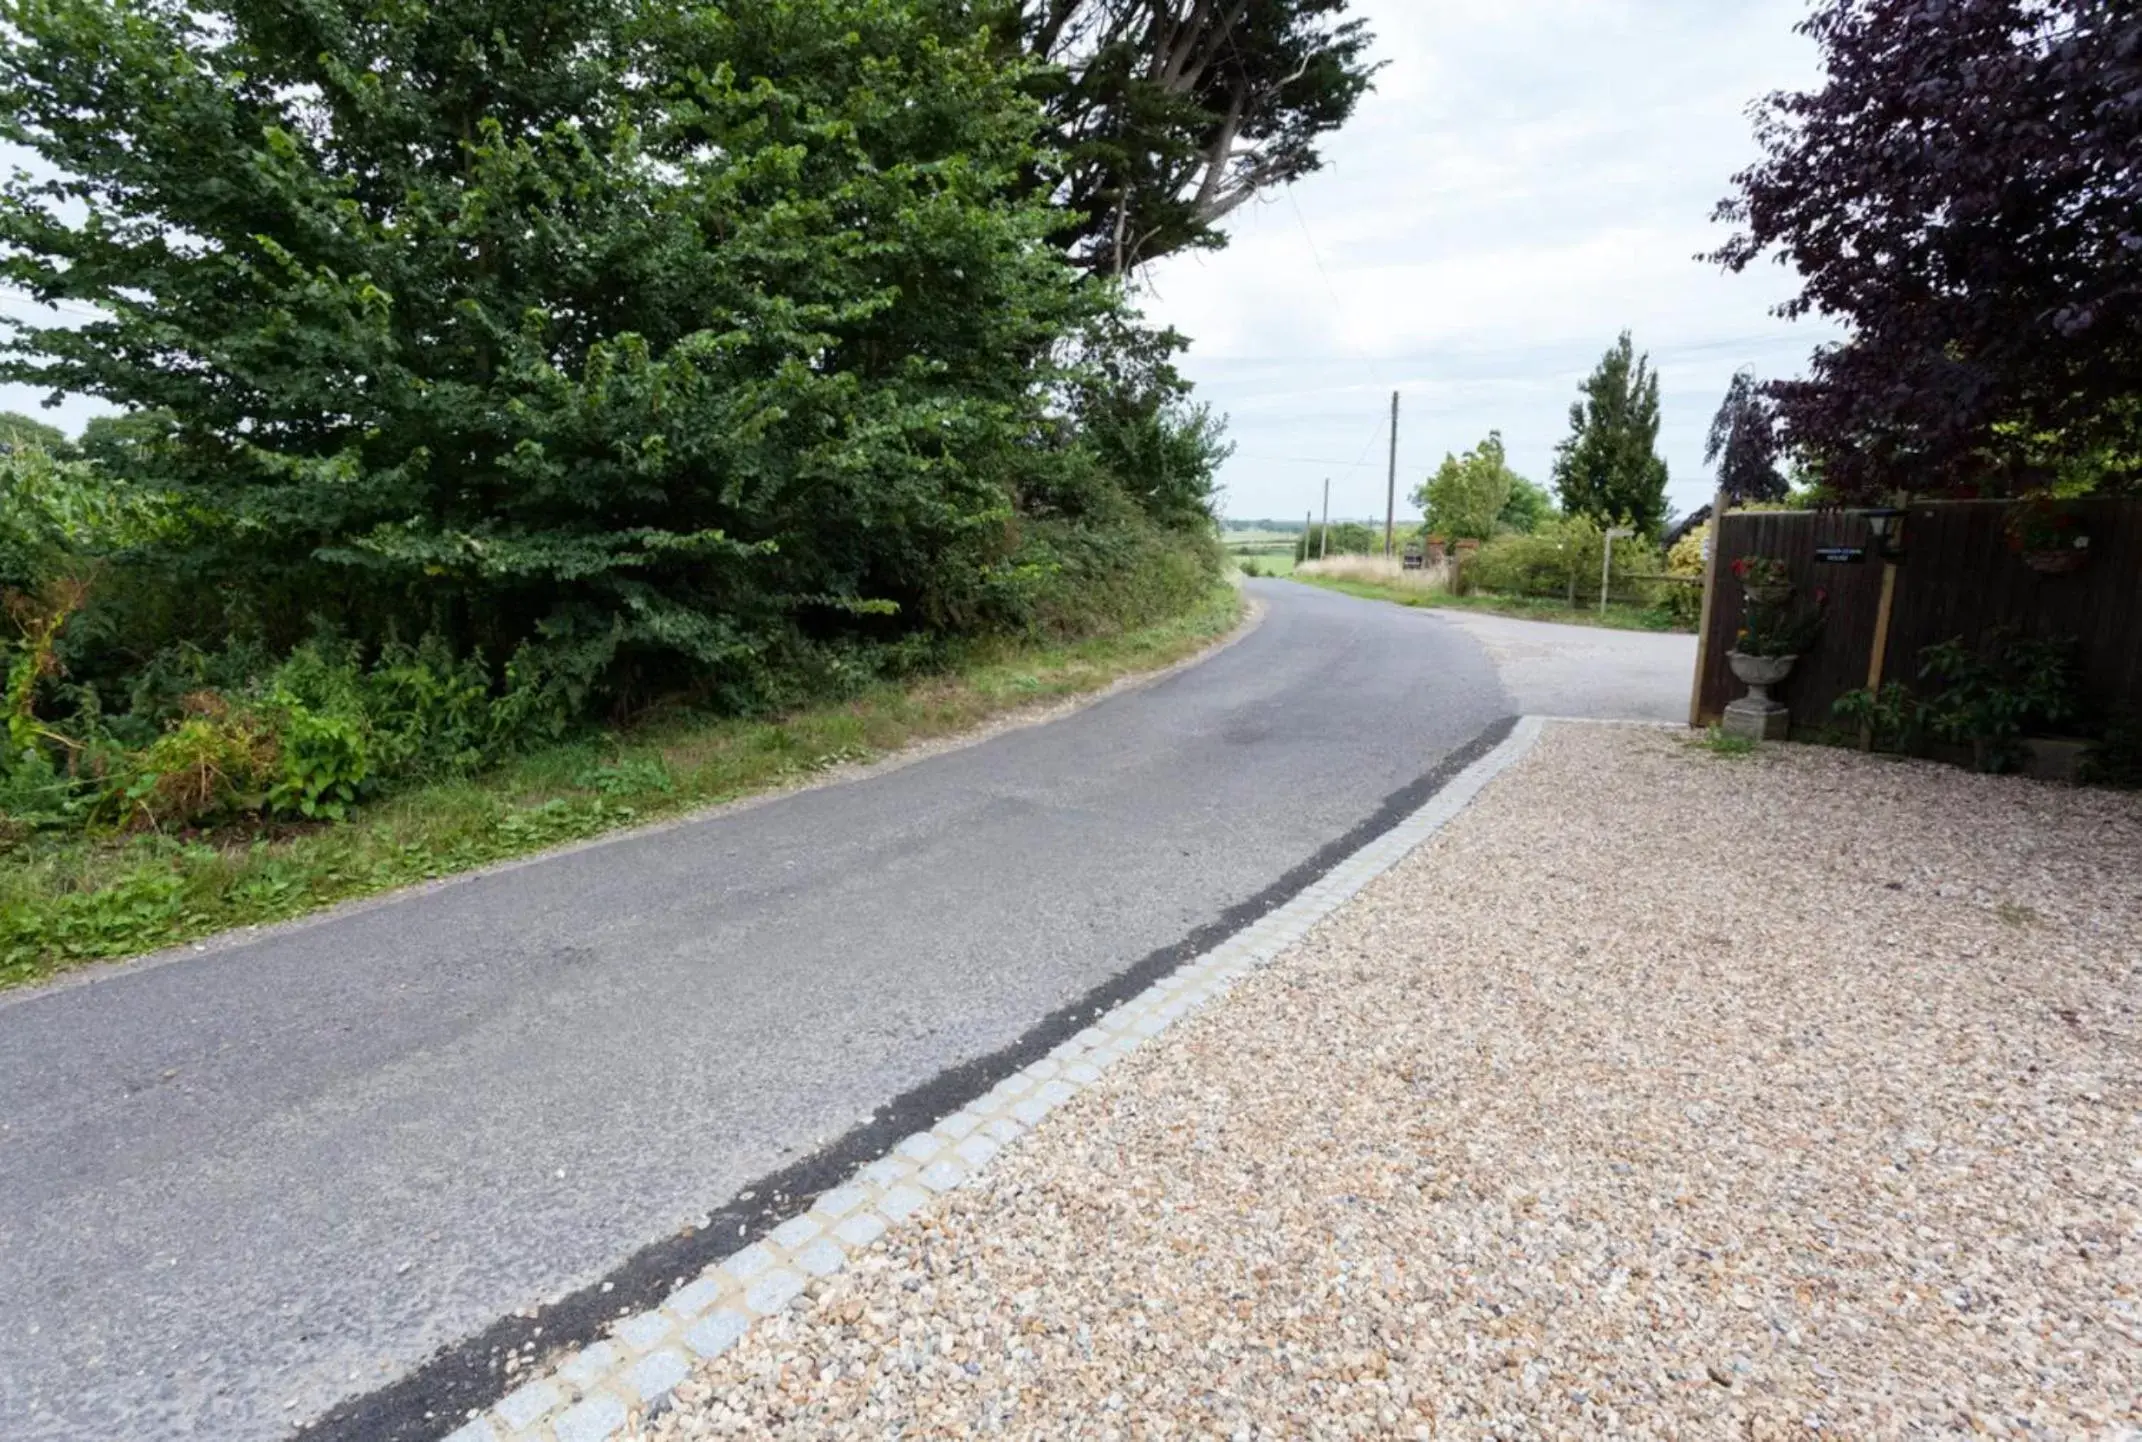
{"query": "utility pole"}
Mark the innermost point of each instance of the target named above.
(1323, 540)
(1390, 495)
(1308, 525)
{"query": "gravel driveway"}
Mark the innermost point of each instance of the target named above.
(1661, 1095)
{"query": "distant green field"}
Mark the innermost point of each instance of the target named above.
(1274, 563)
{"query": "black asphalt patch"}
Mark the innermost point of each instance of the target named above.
(471, 1375)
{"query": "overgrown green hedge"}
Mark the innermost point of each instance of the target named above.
(529, 367)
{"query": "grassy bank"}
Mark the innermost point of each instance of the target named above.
(69, 899)
(1617, 616)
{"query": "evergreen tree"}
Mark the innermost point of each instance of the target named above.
(1743, 443)
(1609, 468)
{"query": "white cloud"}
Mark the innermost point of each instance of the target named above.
(1530, 177)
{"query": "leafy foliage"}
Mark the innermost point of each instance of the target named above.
(1743, 444)
(1564, 558)
(622, 352)
(1346, 538)
(1529, 506)
(1987, 696)
(2116, 759)
(1467, 495)
(1609, 469)
(1888, 718)
(1168, 115)
(21, 432)
(663, 343)
(1782, 627)
(1964, 192)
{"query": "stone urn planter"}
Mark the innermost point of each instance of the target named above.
(1756, 715)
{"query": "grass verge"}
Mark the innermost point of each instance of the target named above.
(65, 900)
(1618, 616)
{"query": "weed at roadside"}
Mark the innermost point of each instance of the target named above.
(68, 898)
(1720, 742)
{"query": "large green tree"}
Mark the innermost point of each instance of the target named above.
(19, 430)
(1168, 115)
(1609, 467)
(664, 336)
(1466, 496)
(1530, 505)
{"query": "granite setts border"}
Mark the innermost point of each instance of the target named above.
(592, 1395)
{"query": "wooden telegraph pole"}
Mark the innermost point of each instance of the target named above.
(1390, 494)
(1323, 540)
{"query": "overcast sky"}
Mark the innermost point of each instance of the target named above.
(1530, 177)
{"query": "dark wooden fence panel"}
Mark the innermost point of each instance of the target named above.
(1958, 578)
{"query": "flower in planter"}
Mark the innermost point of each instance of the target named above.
(1782, 629)
(1762, 572)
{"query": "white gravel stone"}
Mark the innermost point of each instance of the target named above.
(1662, 1095)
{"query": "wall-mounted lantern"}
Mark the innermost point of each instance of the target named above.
(1886, 525)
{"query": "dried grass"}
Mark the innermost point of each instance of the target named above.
(1377, 571)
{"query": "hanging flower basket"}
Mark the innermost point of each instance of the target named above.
(2049, 536)
(1768, 593)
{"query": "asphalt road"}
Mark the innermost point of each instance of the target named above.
(242, 1184)
(1555, 670)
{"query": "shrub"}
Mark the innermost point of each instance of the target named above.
(216, 762)
(323, 764)
(2116, 759)
(1987, 696)
(1889, 718)
(1348, 538)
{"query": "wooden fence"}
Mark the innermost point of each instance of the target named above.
(1958, 577)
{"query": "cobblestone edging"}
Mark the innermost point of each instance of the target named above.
(592, 1395)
